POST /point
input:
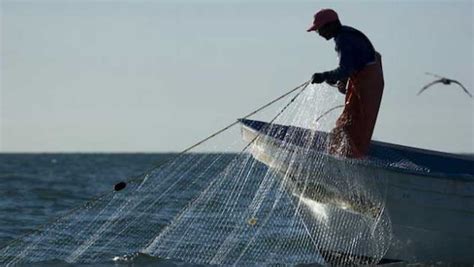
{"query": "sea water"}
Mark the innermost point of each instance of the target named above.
(37, 188)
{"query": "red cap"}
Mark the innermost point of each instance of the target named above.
(322, 17)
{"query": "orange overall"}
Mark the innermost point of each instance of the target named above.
(353, 132)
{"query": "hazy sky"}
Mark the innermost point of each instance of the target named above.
(157, 76)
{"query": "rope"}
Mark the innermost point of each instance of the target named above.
(250, 114)
(327, 112)
(303, 85)
(277, 115)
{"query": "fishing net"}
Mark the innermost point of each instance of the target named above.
(280, 201)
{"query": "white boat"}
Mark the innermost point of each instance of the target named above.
(398, 204)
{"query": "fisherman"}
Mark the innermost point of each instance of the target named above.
(359, 76)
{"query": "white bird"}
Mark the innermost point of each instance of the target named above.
(445, 81)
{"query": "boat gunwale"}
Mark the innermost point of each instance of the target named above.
(370, 162)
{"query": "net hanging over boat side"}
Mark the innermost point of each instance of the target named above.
(278, 201)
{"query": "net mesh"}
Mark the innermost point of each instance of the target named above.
(279, 201)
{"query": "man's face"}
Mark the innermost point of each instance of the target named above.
(325, 32)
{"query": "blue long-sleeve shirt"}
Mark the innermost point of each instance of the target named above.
(355, 51)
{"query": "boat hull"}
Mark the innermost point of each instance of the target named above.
(397, 215)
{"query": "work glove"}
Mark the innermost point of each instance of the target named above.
(318, 78)
(342, 86)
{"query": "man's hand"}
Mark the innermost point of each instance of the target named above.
(341, 86)
(318, 78)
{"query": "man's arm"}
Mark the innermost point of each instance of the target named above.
(346, 63)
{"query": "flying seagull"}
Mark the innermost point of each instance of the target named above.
(443, 80)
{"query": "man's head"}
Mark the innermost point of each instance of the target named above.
(326, 23)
